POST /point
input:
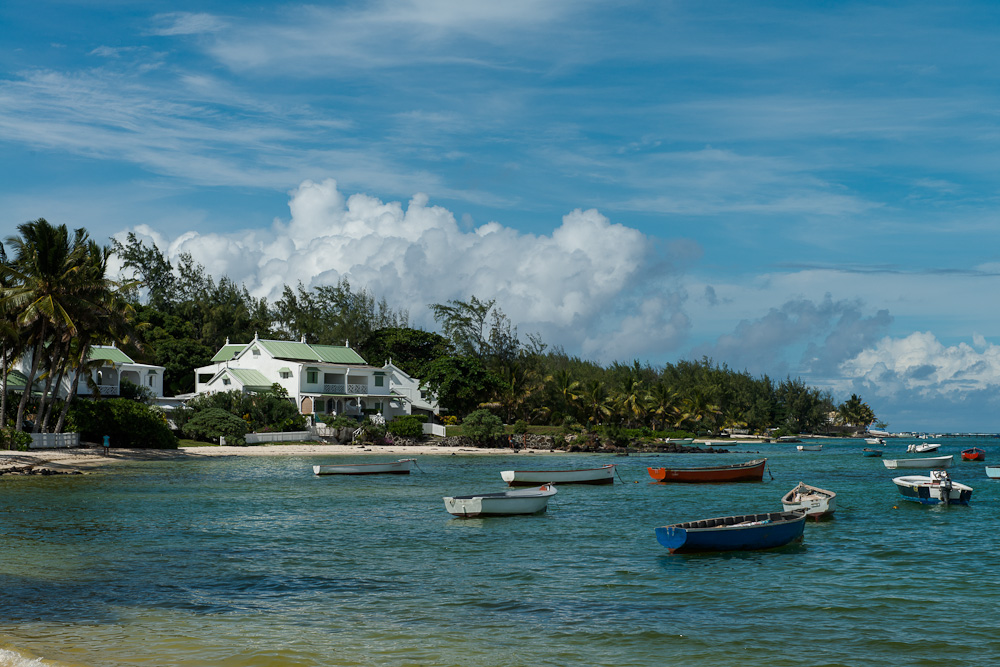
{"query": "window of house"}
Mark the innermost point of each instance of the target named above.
(204, 377)
(256, 353)
(286, 374)
(312, 377)
(225, 381)
(379, 381)
(149, 380)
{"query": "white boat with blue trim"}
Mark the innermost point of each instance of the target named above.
(505, 503)
(936, 489)
(400, 467)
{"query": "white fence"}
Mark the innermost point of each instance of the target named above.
(54, 440)
(286, 436)
(435, 429)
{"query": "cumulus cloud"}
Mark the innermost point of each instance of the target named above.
(591, 285)
(829, 332)
(920, 363)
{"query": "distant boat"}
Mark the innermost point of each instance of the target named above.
(932, 490)
(929, 462)
(733, 533)
(993, 472)
(400, 467)
(923, 449)
(788, 438)
(809, 448)
(602, 475)
(679, 441)
(816, 502)
(874, 441)
(751, 471)
(973, 454)
(868, 451)
(505, 503)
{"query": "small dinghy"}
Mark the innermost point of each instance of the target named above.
(927, 463)
(505, 503)
(938, 488)
(869, 451)
(993, 472)
(973, 454)
(809, 448)
(400, 467)
(874, 441)
(751, 471)
(817, 503)
(924, 448)
(602, 475)
(746, 532)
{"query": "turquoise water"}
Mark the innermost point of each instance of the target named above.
(253, 561)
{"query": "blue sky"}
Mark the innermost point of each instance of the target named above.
(804, 189)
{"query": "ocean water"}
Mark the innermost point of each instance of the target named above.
(253, 561)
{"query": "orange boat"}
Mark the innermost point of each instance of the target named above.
(751, 471)
(973, 454)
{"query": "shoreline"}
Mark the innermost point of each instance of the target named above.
(88, 458)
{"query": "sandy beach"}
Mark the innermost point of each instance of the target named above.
(89, 458)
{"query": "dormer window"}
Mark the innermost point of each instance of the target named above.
(256, 353)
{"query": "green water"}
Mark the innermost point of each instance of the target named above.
(256, 562)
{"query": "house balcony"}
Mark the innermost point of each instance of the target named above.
(107, 390)
(337, 388)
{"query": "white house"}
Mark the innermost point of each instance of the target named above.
(319, 379)
(111, 366)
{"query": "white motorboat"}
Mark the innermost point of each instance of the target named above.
(809, 448)
(817, 503)
(874, 441)
(400, 467)
(927, 463)
(603, 475)
(932, 490)
(923, 448)
(505, 503)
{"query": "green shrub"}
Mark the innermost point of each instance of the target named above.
(340, 421)
(520, 427)
(126, 422)
(214, 423)
(407, 426)
(371, 432)
(13, 439)
(269, 409)
(482, 426)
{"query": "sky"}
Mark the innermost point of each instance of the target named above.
(797, 189)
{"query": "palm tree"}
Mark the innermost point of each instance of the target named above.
(595, 401)
(662, 405)
(630, 399)
(565, 388)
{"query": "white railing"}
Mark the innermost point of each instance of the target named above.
(107, 390)
(285, 436)
(339, 388)
(333, 388)
(357, 389)
(54, 440)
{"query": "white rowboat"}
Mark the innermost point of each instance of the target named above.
(400, 467)
(809, 448)
(993, 472)
(926, 463)
(602, 475)
(505, 503)
(816, 502)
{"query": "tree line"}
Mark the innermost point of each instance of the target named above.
(57, 300)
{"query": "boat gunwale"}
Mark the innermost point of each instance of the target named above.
(734, 466)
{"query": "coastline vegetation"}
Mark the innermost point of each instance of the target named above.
(57, 300)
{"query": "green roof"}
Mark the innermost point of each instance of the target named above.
(251, 379)
(227, 352)
(293, 351)
(112, 354)
(16, 379)
(337, 354)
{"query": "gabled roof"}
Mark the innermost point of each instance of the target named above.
(251, 379)
(337, 354)
(108, 353)
(227, 352)
(280, 349)
(16, 379)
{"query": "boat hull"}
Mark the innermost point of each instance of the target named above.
(815, 502)
(928, 491)
(508, 503)
(809, 448)
(752, 471)
(925, 463)
(923, 449)
(871, 452)
(602, 475)
(401, 467)
(973, 454)
(993, 472)
(749, 532)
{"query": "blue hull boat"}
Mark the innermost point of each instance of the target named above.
(747, 532)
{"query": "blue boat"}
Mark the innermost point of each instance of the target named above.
(745, 532)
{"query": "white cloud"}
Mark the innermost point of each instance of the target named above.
(590, 285)
(920, 363)
(185, 23)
